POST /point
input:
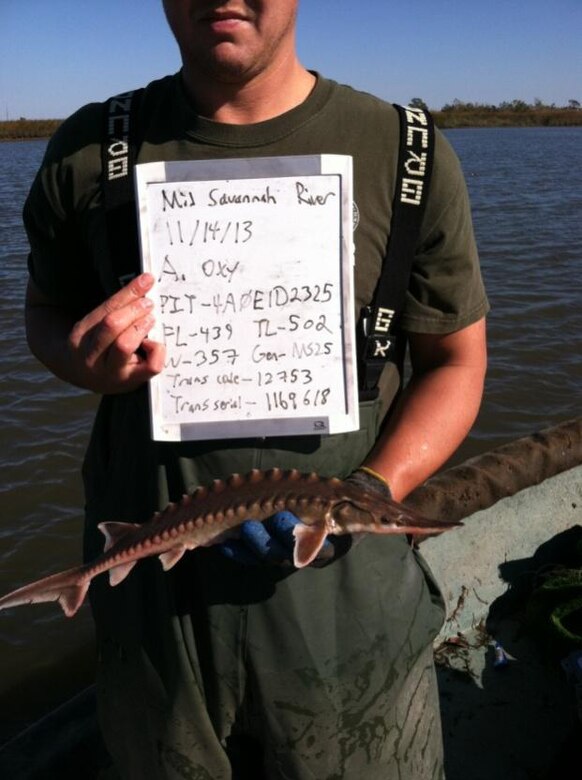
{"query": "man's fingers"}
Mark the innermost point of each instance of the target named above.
(112, 314)
(125, 328)
(265, 546)
(124, 346)
(132, 292)
(105, 343)
(123, 358)
(93, 341)
(155, 355)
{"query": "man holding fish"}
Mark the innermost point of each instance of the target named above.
(235, 663)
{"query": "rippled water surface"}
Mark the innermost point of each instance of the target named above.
(527, 210)
(44, 426)
(527, 206)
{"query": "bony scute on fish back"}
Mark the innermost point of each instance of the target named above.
(211, 514)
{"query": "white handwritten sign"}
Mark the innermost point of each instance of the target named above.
(254, 299)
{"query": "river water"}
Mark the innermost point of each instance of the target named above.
(527, 209)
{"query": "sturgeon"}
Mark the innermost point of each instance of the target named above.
(211, 514)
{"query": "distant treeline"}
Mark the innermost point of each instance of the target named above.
(20, 129)
(516, 113)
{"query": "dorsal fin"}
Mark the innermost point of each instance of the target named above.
(113, 532)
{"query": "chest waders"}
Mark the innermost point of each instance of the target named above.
(216, 671)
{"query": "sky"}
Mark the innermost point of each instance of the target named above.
(56, 55)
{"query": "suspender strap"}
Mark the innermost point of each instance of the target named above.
(379, 322)
(118, 157)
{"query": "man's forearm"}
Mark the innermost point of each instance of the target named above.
(433, 415)
(47, 332)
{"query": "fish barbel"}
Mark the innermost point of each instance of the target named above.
(212, 514)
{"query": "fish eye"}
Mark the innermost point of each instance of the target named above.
(385, 520)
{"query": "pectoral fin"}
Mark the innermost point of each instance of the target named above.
(309, 540)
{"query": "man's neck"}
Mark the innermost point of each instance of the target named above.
(266, 96)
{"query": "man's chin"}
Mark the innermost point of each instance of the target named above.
(227, 64)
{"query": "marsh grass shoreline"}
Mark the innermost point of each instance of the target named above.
(486, 116)
(27, 129)
(491, 117)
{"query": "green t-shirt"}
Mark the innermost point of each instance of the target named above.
(65, 219)
(65, 222)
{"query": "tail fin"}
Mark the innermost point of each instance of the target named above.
(67, 587)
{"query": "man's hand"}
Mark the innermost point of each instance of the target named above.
(370, 481)
(270, 542)
(100, 351)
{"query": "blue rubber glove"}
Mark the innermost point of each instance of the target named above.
(271, 542)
